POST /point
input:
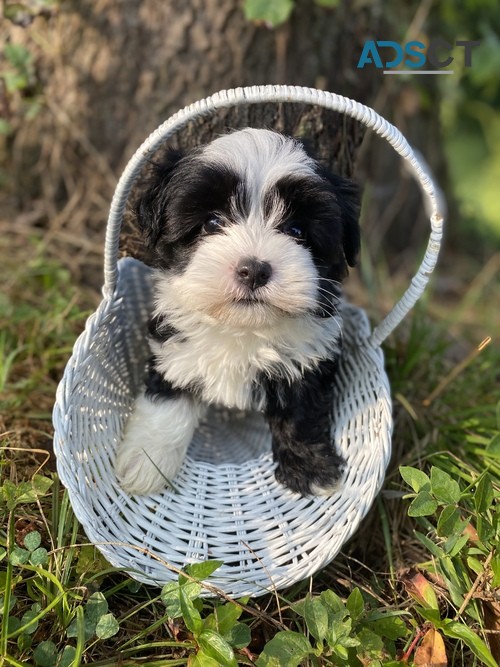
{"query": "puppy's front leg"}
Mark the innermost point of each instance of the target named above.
(300, 420)
(156, 437)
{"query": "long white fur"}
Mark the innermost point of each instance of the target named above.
(260, 157)
(155, 442)
(223, 342)
(225, 360)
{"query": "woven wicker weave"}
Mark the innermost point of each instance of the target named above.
(226, 504)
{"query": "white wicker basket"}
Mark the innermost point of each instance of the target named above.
(227, 504)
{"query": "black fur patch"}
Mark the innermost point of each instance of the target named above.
(300, 419)
(159, 389)
(326, 210)
(160, 330)
(183, 195)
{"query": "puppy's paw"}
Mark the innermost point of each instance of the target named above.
(154, 444)
(140, 472)
(313, 470)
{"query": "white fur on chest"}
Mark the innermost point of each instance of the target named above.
(224, 364)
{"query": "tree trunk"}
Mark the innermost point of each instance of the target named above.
(112, 71)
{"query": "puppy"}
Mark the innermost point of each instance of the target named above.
(251, 239)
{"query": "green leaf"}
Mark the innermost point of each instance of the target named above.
(355, 604)
(28, 616)
(495, 567)
(483, 498)
(201, 659)
(371, 645)
(12, 603)
(429, 545)
(333, 602)
(107, 626)
(298, 607)
(39, 557)
(415, 478)
(41, 484)
(24, 642)
(239, 636)
(72, 630)
(96, 607)
(327, 3)
(29, 492)
(343, 630)
(192, 589)
(9, 493)
(444, 488)
(341, 651)
(449, 522)
(475, 565)
(67, 656)
(271, 13)
(316, 617)
(422, 505)
(493, 448)
(217, 648)
(226, 616)
(13, 624)
(91, 561)
(19, 56)
(32, 540)
(45, 654)
(286, 649)
(485, 530)
(170, 598)
(350, 642)
(19, 556)
(191, 616)
(474, 642)
(391, 627)
(203, 570)
(455, 544)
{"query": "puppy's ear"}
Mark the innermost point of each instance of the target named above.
(348, 200)
(150, 209)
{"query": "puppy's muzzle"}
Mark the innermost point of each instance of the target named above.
(253, 273)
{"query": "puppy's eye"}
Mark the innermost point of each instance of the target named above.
(213, 225)
(295, 230)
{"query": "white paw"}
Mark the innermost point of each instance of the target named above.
(328, 490)
(140, 472)
(154, 445)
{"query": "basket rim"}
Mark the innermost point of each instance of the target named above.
(432, 197)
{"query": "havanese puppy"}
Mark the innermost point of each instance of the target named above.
(251, 239)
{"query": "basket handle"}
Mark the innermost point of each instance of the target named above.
(433, 201)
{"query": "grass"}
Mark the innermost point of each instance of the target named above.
(423, 591)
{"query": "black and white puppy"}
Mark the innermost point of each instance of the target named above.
(251, 239)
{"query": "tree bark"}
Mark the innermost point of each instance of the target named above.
(112, 71)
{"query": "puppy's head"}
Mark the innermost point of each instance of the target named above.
(249, 228)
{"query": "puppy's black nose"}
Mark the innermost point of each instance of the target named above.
(253, 273)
